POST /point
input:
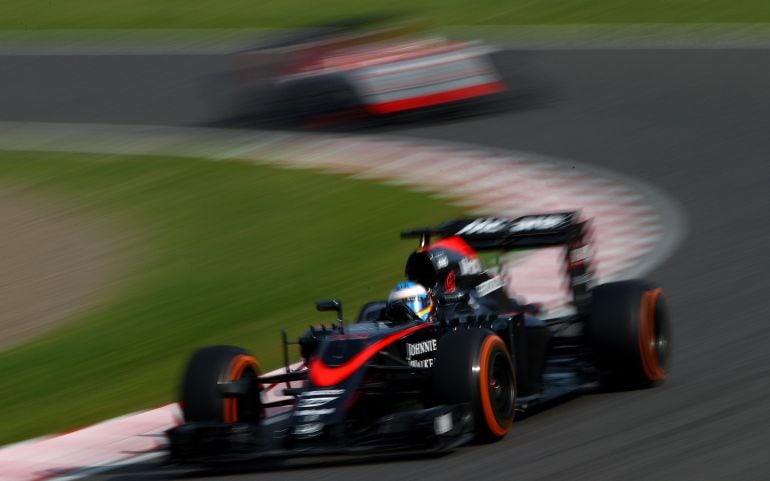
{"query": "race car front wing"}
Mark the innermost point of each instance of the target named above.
(423, 430)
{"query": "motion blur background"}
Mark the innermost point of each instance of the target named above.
(113, 268)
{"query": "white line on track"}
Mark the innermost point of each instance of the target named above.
(94, 470)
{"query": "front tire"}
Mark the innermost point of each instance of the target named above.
(201, 398)
(629, 332)
(474, 366)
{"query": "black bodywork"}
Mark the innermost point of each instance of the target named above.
(367, 386)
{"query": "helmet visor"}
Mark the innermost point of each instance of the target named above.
(420, 305)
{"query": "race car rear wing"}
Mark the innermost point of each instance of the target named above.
(493, 233)
(529, 231)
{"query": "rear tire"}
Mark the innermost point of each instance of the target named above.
(201, 398)
(629, 332)
(302, 102)
(474, 366)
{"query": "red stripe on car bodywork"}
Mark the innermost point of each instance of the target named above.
(455, 244)
(322, 375)
(435, 99)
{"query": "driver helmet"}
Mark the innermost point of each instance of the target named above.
(414, 295)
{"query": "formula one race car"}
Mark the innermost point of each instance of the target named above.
(361, 68)
(394, 381)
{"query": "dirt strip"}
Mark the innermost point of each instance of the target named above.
(55, 263)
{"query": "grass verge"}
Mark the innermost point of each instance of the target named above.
(223, 252)
(131, 14)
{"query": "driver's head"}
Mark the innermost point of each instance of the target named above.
(414, 296)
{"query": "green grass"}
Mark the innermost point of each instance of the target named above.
(110, 14)
(221, 252)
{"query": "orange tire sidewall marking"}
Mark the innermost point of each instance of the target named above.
(238, 365)
(486, 403)
(649, 357)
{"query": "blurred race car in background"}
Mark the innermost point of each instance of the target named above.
(393, 381)
(361, 68)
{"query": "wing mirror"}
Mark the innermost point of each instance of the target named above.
(331, 305)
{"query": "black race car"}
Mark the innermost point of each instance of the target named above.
(392, 381)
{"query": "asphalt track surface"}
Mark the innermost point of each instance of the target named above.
(694, 123)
